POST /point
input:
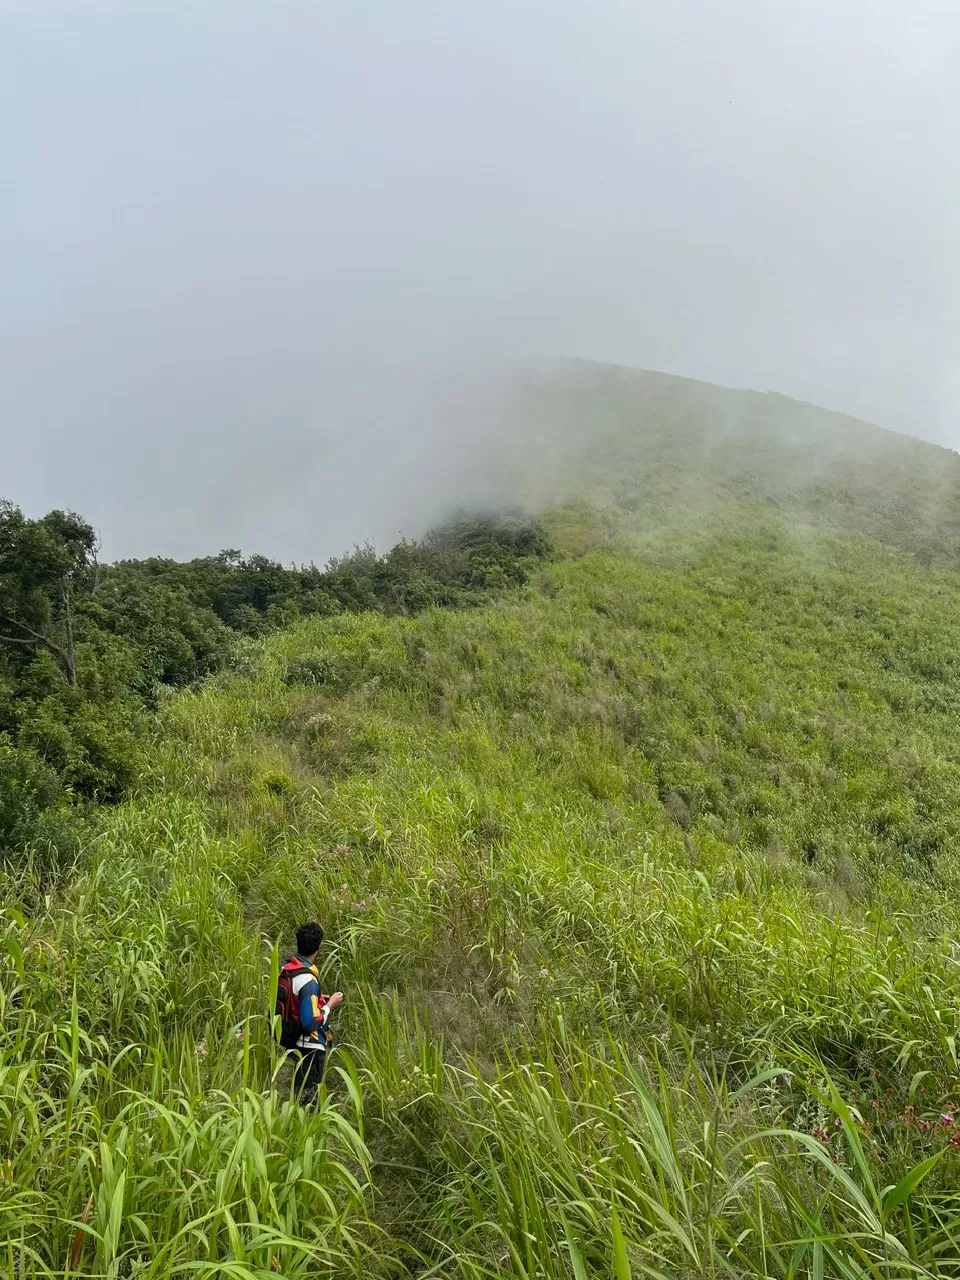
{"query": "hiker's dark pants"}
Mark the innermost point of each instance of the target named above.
(308, 1074)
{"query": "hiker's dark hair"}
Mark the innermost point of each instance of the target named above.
(309, 937)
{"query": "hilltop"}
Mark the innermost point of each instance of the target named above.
(659, 452)
(635, 829)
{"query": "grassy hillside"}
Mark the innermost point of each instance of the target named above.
(658, 454)
(642, 885)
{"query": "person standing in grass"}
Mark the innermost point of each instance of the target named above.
(304, 1012)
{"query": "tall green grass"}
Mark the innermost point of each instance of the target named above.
(642, 891)
(139, 1127)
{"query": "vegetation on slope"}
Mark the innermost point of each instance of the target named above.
(660, 455)
(86, 650)
(642, 885)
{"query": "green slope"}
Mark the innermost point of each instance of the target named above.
(641, 885)
(661, 452)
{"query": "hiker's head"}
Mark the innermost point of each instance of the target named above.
(309, 937)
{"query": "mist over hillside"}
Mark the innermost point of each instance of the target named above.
(227, 318)
(659, 452)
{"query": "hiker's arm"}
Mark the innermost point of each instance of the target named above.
(328, 1006)
(326, 1009)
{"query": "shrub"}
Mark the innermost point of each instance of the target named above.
(311, 670)
(34, 807)
(278, 784)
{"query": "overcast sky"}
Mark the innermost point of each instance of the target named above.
(240, 242)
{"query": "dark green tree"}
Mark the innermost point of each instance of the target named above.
(45, 565)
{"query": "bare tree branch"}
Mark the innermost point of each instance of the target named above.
(22, 626)
(68, 619)
(95, 556)
(35, 640)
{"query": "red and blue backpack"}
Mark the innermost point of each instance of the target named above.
(287, 1007)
